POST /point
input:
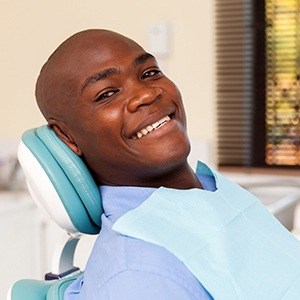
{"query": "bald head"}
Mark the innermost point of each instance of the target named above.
(57, 85)
(99, 92)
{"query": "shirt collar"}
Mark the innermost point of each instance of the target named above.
(117, 200)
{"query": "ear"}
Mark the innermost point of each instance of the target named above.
(63, 134)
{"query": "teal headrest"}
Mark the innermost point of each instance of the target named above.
(69, 176)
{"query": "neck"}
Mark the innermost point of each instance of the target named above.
(178, 177)
(181, 178)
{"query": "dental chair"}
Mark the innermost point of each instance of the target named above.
(64, 189)
(61, 185)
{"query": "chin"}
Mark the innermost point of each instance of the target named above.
(170, 157)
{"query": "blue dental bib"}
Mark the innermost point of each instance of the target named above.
(226, 238)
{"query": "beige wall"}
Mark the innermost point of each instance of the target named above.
(32, 29)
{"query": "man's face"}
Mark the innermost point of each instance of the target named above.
(127, 118)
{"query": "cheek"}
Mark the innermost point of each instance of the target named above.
(107, 122)
(179, 103)
(101, 120)
(172, 89)
(102, 131)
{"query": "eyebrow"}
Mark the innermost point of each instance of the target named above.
(99, 76)
(143, 58)
(113, 71)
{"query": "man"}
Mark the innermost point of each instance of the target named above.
(167, 233)
(100, 91)
(107, 99)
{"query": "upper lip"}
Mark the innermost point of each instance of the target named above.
(150, 119)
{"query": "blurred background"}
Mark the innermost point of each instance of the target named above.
(236, 64)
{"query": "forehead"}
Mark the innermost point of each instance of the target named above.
(82, 56)
(101, 51)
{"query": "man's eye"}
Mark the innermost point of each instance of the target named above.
(106, 95)
(151, 73)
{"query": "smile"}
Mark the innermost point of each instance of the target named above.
(151, 127)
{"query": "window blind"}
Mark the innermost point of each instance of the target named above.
(234, 74)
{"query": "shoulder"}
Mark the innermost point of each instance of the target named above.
(118, 262)
(147, 285)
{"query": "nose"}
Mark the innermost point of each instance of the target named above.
(143, 96)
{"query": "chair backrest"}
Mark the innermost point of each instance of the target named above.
(62, 186)
(60, 182)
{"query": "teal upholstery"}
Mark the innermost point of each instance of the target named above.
(57, 290)
(29, 289)
(70, 177)
(76, 190)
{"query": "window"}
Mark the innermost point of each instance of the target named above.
(258, 82)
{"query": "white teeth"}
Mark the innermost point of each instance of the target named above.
(154, 125)
(144, 131)
(151, 127)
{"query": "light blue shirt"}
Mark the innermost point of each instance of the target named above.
(122, 267)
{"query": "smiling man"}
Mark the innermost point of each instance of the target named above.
(107, 99)
(167, 233)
